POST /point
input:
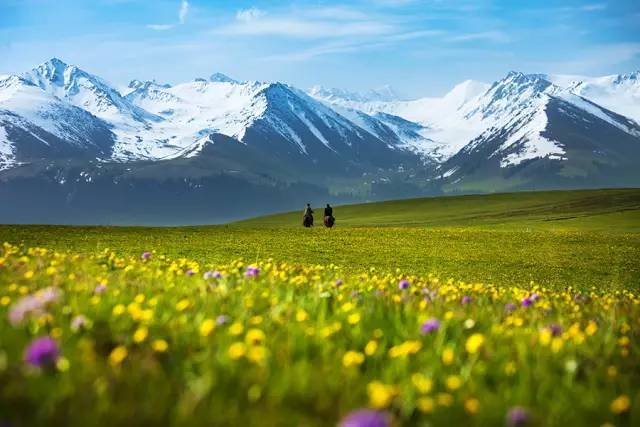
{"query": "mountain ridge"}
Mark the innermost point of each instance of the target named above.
(68, 131)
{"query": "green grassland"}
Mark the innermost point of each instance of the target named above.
(508, 309)
(558, 238)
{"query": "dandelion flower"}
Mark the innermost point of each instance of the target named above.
(117, 355)
(474, 342)
(206, 327)
(159, 346)
(620, 404)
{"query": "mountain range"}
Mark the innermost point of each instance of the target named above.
(74, 149)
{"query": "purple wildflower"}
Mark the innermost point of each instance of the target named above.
(404, 284)
(222, 319)
(33, 305)
(429, 326)
(466, 299)
(207, 275)
(509, 307)
(78, 322)
(217, 275)
(100, 288)
(338, 282)
(526, 302)
(534, 297)
(43, 351)
(145, 255)
(189, 272)
(252, 271)
(555, 329)
(365, 418)
(517, 417)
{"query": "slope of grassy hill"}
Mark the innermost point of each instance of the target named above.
(560, 239)
(591, 210)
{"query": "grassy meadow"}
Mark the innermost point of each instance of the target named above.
(507, 309)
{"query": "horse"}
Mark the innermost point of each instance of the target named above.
(307, 221)
(329, 221)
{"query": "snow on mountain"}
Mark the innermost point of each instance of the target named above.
(45, 125)
(443, 128)
(508, 120)
(221, 78)
(526, 117)
(382, 94)
(278, 112)
(84, 90)
(619, 93)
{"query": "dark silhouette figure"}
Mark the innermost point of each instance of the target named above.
(307, 219)
(329, 220)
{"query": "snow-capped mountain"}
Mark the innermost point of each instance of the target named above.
(526, 120)
(443, 126)
(35, 124)
(62, 126)
(158, 121)
(382, 94)
(84, 90)
(619, 93)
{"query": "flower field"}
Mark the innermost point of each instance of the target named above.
(101, 339)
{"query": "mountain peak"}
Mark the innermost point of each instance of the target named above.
(221, 78)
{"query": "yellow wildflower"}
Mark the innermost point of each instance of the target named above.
(447, 356)
(301, 315)
(160, 346)
(255, 337)
(237, 350)
(371, 348)
(445, 399)
(183, 305)
(140, 334)
(422, 384)
(471, 406)
(353, 319)
(453, 382)
(474, 342)
(206, 327)
(620, 404)
(236, 329)
(117, 355)
(380, 394)
(425, 405)
(352, 358)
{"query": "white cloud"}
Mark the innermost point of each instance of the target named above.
(160, 27)
(310, 23)
(184, 11)
(491, 36)
(249, 15)
(182, 18)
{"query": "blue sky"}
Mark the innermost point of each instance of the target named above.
(419, 47)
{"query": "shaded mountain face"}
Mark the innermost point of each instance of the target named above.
(66, 134)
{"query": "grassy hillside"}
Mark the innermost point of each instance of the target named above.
(575, 238)
(609, 210)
